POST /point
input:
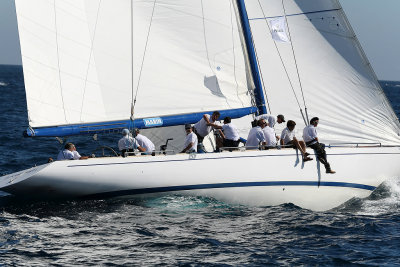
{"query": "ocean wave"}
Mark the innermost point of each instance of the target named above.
(3, 84)
(385, 199)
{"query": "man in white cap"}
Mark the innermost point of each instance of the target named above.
(128, 144)
(191, 140)
(271, 119)
(143, 141)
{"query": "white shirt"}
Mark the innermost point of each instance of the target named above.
(256, 135)
(191, 138)
(145, 142)
(270, 136)
(201, 126)
(127, 142)
(230, 132)
(65, 155)
(287, 135)
(309, 133)
(76, 155)
(269, 118)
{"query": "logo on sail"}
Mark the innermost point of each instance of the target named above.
(278, 30)
(152, 122)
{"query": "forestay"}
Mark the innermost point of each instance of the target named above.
(327, 68)
(87, 61)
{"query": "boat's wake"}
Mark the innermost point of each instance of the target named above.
(385, 199)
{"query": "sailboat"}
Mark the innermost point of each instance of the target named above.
(98, 66)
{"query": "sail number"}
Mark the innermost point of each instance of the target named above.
(151, 122)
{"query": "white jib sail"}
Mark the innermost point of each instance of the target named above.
(338, 84)
(81, 66)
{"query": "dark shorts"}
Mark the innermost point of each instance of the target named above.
(290, 145)
(199, 137)
(231, 143)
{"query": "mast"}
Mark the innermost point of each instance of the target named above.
(259, 94)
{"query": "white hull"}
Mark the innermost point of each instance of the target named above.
(270, 177)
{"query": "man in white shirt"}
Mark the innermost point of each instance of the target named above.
(69, 153)
(256, 136)
(143, 141)
(128, 144)
(204, 126)
(270, 136)
(230, 133)
(311, 139)
(289, 139)
(190, 145)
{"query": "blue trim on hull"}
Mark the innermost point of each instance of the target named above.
(116, 126)
(226, 185)
(259, 94)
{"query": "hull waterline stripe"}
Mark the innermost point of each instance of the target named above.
(226, 185)
(298, 14)
(194, 159)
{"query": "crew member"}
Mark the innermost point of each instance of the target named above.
(311, 139)
(69, 153)
(288, 139)
(128, 144)
(190, 145)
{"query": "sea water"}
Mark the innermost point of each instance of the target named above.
(180, 230)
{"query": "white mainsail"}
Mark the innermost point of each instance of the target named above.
(327, 68)
(89, 60)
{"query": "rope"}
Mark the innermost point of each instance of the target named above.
(283, 64)
(90, 58)
(58, 59)
(144, 55)
(234, 55)
(295, 61)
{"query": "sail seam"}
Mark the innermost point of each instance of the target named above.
(234, 55)
(58, 60)
(90, 59)
(206, 47)
(298, 14)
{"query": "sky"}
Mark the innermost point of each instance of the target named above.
(376, 23)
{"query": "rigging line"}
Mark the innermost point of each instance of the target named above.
(208, 56)
(262, 80)
(144, 55)
(58, 60)
(280, 57)
(295, 61)
(132, 57)
(234, 54)
(90, 58)
(132, 100)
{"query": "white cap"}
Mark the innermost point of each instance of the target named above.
(125, 132)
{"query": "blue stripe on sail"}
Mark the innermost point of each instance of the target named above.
(115, 126)
(297, 14)
(259, 94)
(228, 185)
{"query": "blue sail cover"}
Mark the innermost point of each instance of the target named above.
(116, 126)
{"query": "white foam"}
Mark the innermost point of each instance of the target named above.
(3, 84)
(389, 202)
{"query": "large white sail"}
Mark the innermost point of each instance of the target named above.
(327, 68)
(89, 60)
